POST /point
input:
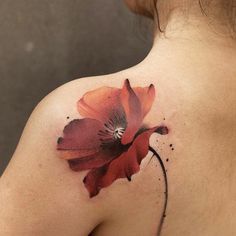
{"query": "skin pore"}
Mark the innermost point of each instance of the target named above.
(192, 66)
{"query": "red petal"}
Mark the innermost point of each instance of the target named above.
(146, 97)
(133, 111)
(124, 166)
(80, 138)
(93, 161)
(100, 103)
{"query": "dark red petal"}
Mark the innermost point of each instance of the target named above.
(123, 166)
(146, 97)
(133, 111)
(80, 138)
(101, 103)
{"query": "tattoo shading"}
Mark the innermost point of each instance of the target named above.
(111, 140)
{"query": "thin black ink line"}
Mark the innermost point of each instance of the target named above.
(166, 189)
(150, 160)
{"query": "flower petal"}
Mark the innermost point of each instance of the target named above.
(101, 103)
(133, 111)
(123, 166)
(80, 138)
(93, 161)
(146, 97)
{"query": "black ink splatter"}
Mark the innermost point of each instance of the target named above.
(162, 130)
(59, 140)
(172, 147)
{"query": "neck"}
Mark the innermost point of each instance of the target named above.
(194, 40)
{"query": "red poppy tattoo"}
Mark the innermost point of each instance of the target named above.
(111, 140)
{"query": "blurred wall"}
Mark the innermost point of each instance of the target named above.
(46, 43)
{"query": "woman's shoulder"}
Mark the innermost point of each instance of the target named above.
(39, 181)
(45, 162)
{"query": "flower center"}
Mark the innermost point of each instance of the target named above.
(118, 132)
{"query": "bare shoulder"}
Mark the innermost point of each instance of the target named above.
(81, 139)
(37, 182)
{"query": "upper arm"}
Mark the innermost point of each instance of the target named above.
(37, 191)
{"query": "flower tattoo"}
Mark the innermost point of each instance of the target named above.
(111, 140)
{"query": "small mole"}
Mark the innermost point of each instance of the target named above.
(171, 145)
(67, 117)
(167, 159)
(164, 215)
(172, 149)
(159, 179)
(164, 118)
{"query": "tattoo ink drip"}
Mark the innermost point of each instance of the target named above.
(166, 189)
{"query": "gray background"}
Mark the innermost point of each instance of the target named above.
(45, 43)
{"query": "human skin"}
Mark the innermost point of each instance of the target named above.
(194, 73)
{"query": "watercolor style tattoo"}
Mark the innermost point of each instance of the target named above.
(111, 140)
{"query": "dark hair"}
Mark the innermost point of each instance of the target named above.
(150, 9)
